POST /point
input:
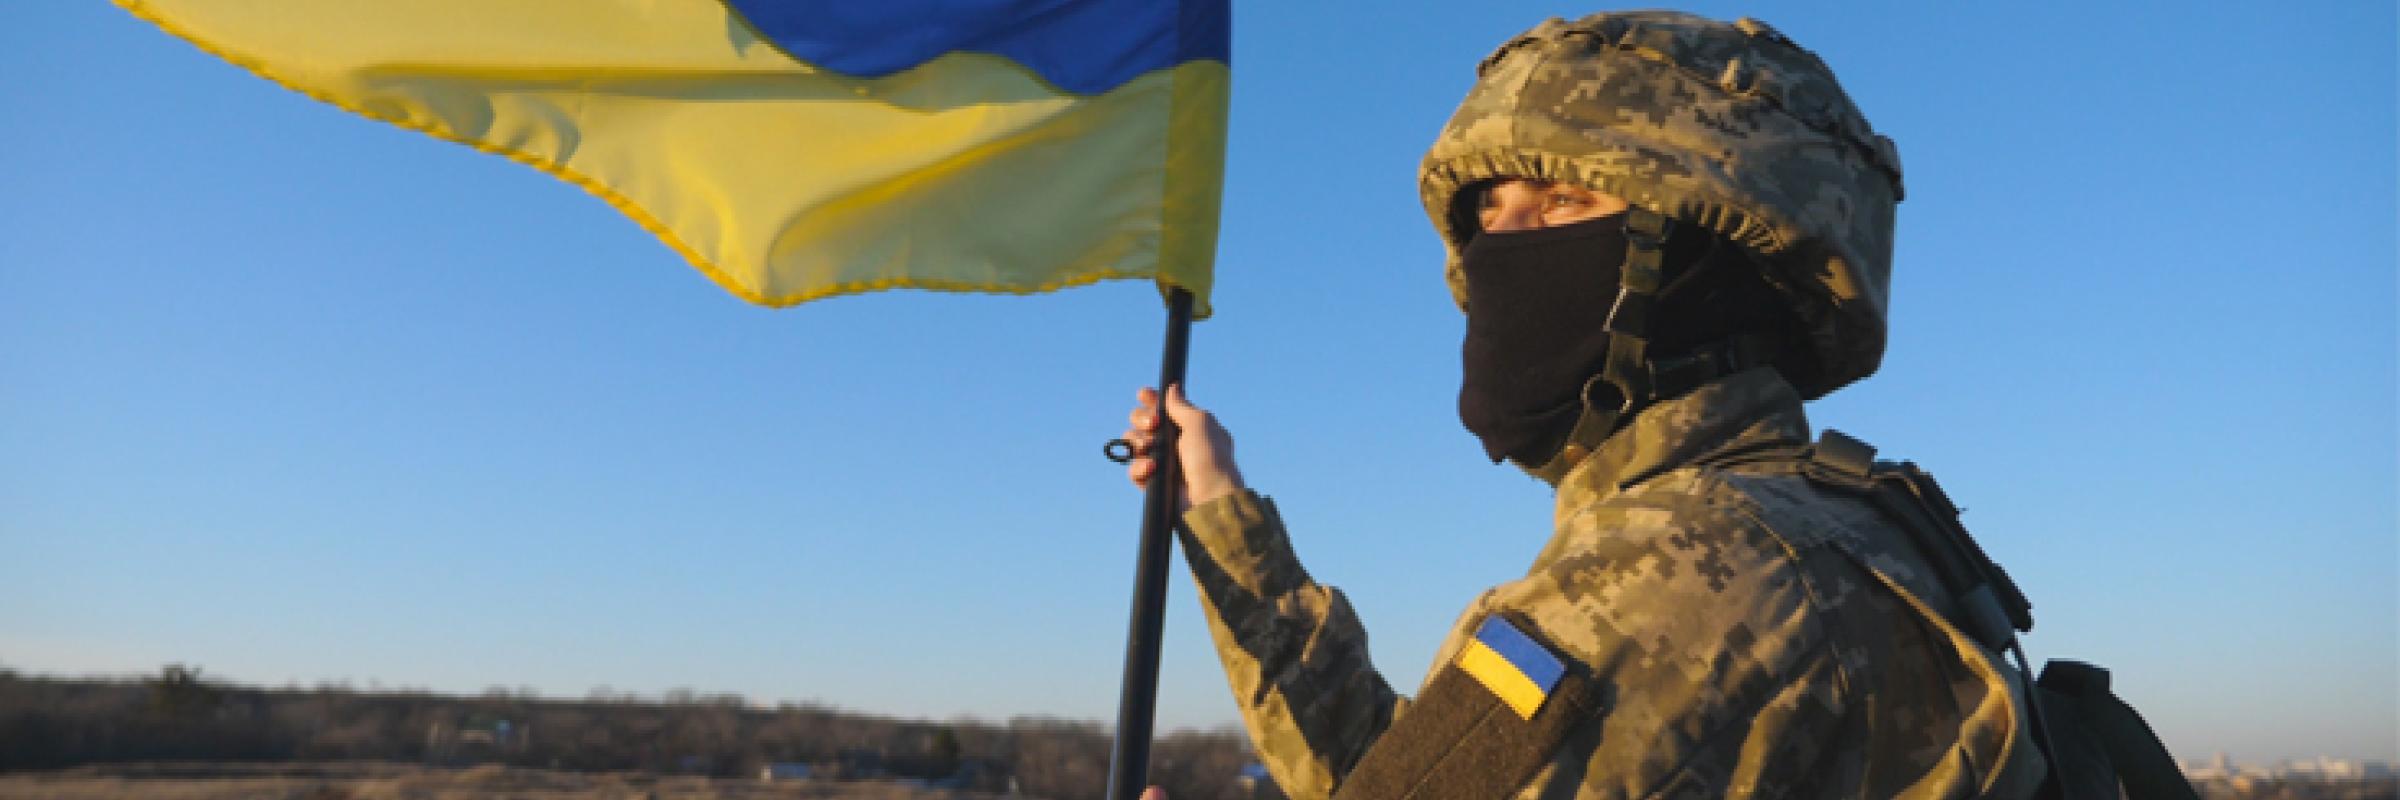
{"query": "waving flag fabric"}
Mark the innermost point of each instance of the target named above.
(797, 149)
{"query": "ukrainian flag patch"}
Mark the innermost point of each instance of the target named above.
(1517, 669)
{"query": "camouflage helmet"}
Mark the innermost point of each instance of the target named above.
(1730, 127)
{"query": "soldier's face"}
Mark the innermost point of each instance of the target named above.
(1518, 204)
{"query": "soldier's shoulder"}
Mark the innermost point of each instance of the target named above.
(1674, 584)
(1709, 500)
(1687, 531)
(1800, 511)
(1732, 532)
(1836, 535)
(1678, 504)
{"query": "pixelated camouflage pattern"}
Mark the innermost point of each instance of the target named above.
(1750, 634)
(1294, 652)
(1731, 127)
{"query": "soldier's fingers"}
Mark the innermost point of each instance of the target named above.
(1182, 409)
(1139, 440)
(1139, 471)
(1144, 418)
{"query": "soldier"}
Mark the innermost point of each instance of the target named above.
(1666, 232)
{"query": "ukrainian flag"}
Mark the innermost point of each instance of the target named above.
(798, 149)
(1515, 667)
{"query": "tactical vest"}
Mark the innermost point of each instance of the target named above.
(1487, 722)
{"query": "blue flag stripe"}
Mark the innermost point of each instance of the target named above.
(1527, 655)
(1082, 46)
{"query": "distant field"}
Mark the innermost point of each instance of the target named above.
(385, 781)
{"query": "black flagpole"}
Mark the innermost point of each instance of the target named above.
(1137, 699)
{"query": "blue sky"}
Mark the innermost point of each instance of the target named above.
(299, 397)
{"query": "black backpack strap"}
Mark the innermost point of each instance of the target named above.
(2140, 761)
(1486, 723)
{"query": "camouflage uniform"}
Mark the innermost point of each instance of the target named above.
(1751, 635)
(1748, 632)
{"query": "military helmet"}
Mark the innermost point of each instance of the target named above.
(1729, 127)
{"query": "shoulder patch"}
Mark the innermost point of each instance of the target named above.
(1512, 665)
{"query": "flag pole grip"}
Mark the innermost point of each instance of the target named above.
(1137, 699)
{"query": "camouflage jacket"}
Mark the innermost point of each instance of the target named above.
(1753, 635)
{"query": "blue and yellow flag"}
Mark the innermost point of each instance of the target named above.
(798, 149)
(1517, 669)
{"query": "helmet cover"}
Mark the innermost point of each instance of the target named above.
(1727, 126)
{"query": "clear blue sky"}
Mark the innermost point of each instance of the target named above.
(300, 397)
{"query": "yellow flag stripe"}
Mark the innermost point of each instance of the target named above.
(1502, 678)
(780, 181)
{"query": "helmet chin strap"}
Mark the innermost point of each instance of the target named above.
(1627, 370)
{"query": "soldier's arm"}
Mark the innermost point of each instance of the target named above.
(1293, 650)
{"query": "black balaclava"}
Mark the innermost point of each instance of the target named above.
(1535, 303)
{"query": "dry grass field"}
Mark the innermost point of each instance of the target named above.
(386, 781)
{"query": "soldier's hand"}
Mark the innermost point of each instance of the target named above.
(1203, 446)
(1154, 793)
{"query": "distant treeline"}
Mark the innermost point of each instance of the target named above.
(51, 723)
